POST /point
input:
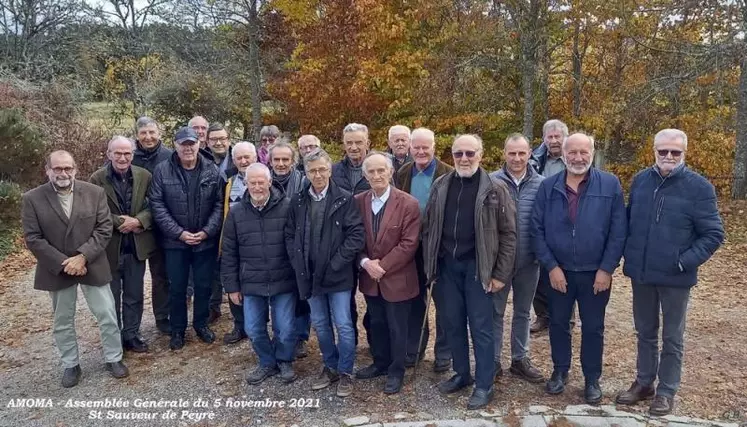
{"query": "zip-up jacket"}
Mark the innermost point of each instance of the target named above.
(673, 227)
(597, 238)
(495, 228)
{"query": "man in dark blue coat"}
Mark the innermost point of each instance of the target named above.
(255, 269)
(673, 228)
(578, 231)
(187, 205)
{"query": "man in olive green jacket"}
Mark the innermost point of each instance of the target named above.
(132, 242)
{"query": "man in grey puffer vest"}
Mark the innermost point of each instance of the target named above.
(522, 182)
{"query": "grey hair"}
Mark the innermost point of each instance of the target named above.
(591, 139)
(258, 166)
(514, 137)
(424, 132)
(386, 156)
(477, 138)
(284, 144)
(191, 121)
(669, 134)
(145, 121)
(555, 124)
(248, 145)
(48, 162)
(355, 127)
(315, 155)
(270, 130)
(120, 138)
(311, 137)
(397, 128)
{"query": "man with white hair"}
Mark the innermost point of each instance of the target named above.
(244, 154)
(306, 144)
(469, 244)
(399, 145)
(200, 125)
(578, 231)
(256, 271)
(126, 187)
(416, 178)
(673, 228)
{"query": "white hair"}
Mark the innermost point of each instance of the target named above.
(386, 157)
(398, 128)
(118, 138)
(423, 133)
(355, 127)
(553, 125)
(247, 145)
(471, 135)
(591, 139)
(671, 134)
(309, 137)
(258, 167)
(195, 118)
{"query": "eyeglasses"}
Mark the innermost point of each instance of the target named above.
(59, 170)
(674, 153)
(460, 154)
(214, 140)
(318, 171)
(118, 154)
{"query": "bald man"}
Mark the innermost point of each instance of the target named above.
(126, 187)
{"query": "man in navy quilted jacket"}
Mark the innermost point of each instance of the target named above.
(673, 228)
(578, 231)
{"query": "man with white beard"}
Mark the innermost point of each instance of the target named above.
(578, 231)
(469, 244)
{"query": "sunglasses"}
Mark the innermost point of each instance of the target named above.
(674, 153)
(460, 154)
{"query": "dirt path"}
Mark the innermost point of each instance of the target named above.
(713, 386)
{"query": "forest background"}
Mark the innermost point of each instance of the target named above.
(74, 72)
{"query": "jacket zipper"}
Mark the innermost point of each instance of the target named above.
(456, 219)
(659, 209)
(655, 221)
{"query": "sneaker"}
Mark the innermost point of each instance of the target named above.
(287, 375)
(345, 386)
(261, 373)
(325, 378)
(301, 350)
(71, 376)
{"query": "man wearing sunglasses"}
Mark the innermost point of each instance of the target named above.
(673, 228)
(469, 243)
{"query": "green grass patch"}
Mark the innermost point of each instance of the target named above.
(8, 241)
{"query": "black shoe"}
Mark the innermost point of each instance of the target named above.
(205, 334)
(557, 382)
(118, 369)
(177, 341)
(370, 371)
(261, 373)
(454, 384)
(523, 368)
(393, 385)
(287, 375)
(301, 350)
(480, 398)
(71, 376)
(412, 359)
(214, 316)
(236, 335)
(163, 326)
(441, 365)
(136, 345)
(592, 392)
(540, 324)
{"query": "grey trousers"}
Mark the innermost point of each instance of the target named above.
(667, 365)
(524, 284)
(127, 289)
(101, 303)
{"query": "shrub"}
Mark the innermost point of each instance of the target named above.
(10, 205)
(21, 145)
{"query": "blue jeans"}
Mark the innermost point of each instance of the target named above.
(178, 263)
(591, 309)
(460, 297)
(283, 344)
(341, 356)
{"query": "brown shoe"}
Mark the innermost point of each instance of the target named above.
(214, 316)
(345, 386)
(325, 378)
(661, 406)
(540, 324)
(523, 368)
(634, 394)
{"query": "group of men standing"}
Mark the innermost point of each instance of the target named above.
(294, 240)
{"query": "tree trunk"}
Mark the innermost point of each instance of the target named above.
(577, 71)
(529, 72)
(739, 185)
(255, 73)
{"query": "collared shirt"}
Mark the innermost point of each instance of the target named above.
(237, 189)
(517, 181)
(262, 206)
(378, 202)
(553, 166)
(575, 196)
(318, 197)
(428, 171)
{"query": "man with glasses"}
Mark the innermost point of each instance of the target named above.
(67, 226)
(132, 242)
(673, 228)
(469, 244)
(267, 137)
(219, 145)
(306, 144)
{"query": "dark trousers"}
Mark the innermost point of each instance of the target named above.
(415, 323)
(303, 319)
(460, 297)
(648, 302)
(159, 286)
(388, 333)
(591, 309)
(216, 291)
(127, 289)
(237, 312)
(541, 296)
(178, 263)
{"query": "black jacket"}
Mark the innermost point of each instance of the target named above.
(170, 199)
(231, 169)
(343, 237)
(254, 260)
(149, 159)
(341, 177)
